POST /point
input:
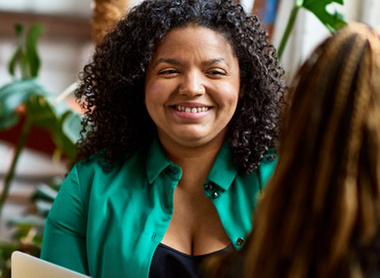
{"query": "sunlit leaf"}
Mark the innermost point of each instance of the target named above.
(332, 21)
(299, 3)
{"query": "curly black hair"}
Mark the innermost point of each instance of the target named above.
(112, 88)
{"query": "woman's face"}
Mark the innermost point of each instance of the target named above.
(192, 86)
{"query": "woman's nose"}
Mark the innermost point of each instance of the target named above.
(192, 85)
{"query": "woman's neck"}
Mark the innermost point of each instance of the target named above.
(196, 161)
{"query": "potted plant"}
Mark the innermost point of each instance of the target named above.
(24, 100)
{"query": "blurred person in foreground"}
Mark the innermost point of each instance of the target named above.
(182, 99)
(320, 213)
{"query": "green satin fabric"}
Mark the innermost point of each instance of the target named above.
(109, 223)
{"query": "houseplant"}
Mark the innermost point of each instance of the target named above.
(332, 20)
(25, 100)
(27, 97)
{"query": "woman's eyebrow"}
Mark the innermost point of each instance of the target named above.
(178, 63)
(167, 60)
(215, 61)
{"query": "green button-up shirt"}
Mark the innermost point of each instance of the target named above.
(109, 223)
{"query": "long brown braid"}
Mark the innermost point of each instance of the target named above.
(320, 214)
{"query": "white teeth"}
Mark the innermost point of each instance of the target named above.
(191, 110)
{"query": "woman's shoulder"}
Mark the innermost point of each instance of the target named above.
(99, 165)
(92, 161)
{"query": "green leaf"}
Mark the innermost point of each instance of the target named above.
(332, 21)
(23, 59)
(72, 126)
(19, 28)
(299, 3)
(67, 132)
(24, 65)
(12, 95)
(63, 141)
(45, 192)
(59, 119)
(16, 57)
(40, 112)
(26, 55)
(31, 48)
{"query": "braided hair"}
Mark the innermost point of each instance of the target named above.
(320, 214)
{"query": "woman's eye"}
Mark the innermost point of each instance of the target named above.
(167, 72)
(216, 72)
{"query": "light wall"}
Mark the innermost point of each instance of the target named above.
(308, 31)
(61, 57)
(59, 7)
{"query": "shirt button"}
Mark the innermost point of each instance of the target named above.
(209, 186)
(215, 195)
(240, 241)
(174, 170)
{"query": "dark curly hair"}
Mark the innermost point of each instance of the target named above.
(112, 88)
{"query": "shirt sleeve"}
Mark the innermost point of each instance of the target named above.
(64, 239)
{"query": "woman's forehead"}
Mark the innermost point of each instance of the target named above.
(190, 37)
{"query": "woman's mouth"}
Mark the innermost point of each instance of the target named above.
(191, 109)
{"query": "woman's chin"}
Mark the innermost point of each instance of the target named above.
(191, 137)
(197, 140)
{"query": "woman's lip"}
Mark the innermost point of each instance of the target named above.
(191, 104)
(191, 115)
(193, 109)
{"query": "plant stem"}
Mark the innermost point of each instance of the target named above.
(8, 178)
(288, 30)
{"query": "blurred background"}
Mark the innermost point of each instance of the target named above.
(67, 44)
(64, 47)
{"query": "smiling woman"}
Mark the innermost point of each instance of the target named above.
(183, 101)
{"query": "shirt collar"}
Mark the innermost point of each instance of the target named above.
(157, 161)
(223, 172)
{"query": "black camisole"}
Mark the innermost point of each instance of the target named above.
(170, 263)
